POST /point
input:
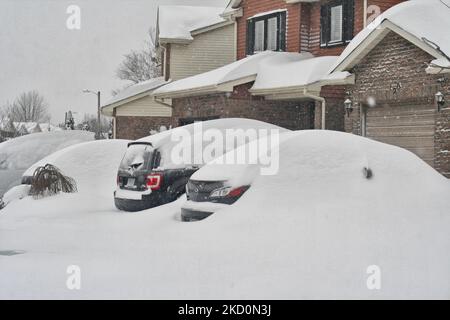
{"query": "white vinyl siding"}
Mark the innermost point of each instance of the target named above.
(336, 24)
(209, 50)
(144, 107)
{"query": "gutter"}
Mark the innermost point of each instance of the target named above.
(161, 101)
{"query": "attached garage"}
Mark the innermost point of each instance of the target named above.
(408, 126)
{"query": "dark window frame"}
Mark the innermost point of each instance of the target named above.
(281, 31)
(348, 19)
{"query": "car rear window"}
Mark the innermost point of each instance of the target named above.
(138, 157)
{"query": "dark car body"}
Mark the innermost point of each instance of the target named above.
(215, 194)
(148, 186)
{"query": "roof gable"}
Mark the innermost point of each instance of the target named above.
(422, 22)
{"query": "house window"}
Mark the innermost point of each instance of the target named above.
(336, 22)
(266, 32)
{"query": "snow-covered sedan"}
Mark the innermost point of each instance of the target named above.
(218, 185)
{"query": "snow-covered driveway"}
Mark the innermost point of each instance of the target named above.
(311, 231)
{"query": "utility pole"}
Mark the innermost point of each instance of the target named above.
(98, 134)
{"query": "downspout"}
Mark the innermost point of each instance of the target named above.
(365, 13)
(323, 103)
(164, 62)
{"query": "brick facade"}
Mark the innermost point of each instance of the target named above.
(302, 35)
(303, 23)
(394, 74)
(293, 115)
(132, 128)
(253, 7)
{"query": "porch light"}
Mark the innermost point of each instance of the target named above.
(440, 100)
(348, 107)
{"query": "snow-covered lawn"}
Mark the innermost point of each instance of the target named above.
(17, 155)
(311, 231)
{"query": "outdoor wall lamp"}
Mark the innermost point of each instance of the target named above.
(440, 100)
(348, 107)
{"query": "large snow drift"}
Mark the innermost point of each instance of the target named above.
(93, 165)
(16, 155)
(310, 231)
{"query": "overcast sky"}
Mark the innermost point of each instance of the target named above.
(38, 51)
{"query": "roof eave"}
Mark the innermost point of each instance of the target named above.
(375, 37)
(211, 27)
(174, 40)
(221, 87)
(293, 92)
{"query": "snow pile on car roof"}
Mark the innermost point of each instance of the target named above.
(426, 20)
(17, 154)
(184, 138)
(177, 22)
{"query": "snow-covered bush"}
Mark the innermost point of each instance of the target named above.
(48, 180)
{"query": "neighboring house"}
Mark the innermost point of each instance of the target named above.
(401, 67)
(135, 113)
(290, 90)
(194, 40)
(11, 129)
(191, 40)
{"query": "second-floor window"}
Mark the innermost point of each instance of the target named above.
(266, 32)
(336, 22)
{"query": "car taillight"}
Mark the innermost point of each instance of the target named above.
(154, 181)
(237, 192)
(228, 192)
(118, 180)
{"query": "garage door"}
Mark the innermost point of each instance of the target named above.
(409, 127)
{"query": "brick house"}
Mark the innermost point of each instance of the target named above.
(319, 28)
(401, 65)
(191, 40)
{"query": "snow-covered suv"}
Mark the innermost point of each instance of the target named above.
(141, 184)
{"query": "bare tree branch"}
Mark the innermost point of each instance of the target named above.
(29, 107)
(141, 65)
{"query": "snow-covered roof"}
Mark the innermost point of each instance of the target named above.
(232, 8)
(425, 22)
(216, 80)
(269, 70)
(135, 90)
(295, 70)
(177, 22)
